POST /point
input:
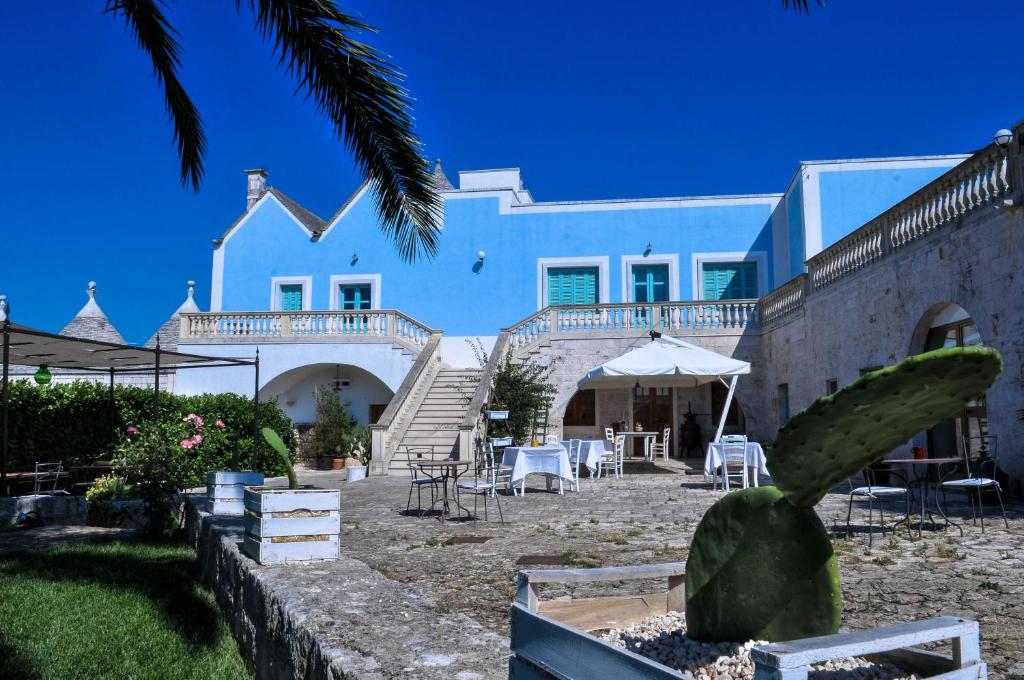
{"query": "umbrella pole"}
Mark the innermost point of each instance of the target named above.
(725, 408)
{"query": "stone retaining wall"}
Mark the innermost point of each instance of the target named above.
(48, 509)
(334, 619)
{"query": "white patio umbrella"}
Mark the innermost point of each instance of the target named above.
(668, 362)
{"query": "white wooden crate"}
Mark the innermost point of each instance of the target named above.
(226, 490)
(551, 640)
(289, 525)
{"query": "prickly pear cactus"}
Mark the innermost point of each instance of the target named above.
(760, 568)
(761, 565)
(839, 435)
(278, 445)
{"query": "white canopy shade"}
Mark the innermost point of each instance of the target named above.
(664, 362)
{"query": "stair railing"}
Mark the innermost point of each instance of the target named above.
(472, 427)
(388, 430)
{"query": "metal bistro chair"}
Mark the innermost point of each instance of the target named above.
(47, 479)
(734, 462)
(420, 479)
(613, 460)
(486, 485)
(876, 493)
(661, 447)
(976, 481)
(502, 474)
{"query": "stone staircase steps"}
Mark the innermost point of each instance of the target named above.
(433, 432)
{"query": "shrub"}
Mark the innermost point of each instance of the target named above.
(72, 422)
(109, 488)
(333, 425)
(523, 389)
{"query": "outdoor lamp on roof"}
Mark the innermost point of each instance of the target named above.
(1003, 137)
(42, 376)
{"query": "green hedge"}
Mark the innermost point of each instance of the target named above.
(71, 423)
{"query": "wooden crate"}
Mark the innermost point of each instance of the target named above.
(551, 639)
(226, 489)
(291, 525)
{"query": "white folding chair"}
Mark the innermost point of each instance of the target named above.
(551, 439)
(662, 446)
(575, 445)
(612, 460)
(734, 460)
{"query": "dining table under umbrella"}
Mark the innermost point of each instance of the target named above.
(669, 362)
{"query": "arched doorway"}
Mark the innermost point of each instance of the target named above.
(362, 394)
(950, 325)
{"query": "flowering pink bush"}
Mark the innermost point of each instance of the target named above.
(132, 430)
(220, 424)
(187, 444)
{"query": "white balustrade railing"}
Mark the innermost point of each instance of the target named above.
(634, 319)
(785, 300)
(976, 182)
(298, 326)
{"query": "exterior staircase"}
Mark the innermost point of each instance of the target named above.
(433, 432)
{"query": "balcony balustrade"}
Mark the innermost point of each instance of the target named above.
(386, 324)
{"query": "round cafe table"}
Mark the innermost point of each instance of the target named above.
(444, 471)
(924, 482)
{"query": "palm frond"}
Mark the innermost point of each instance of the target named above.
(145, 21)
(356, 87)
(801, 6)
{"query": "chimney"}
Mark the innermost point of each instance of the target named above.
(255, 187)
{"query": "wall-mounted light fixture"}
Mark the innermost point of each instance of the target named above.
(355, 258)
(1003, 137)
(647, 249)
(480, 255)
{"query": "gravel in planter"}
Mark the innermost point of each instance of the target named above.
(663, 638)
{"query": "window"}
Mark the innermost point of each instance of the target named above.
(729, 280)
(831, 386)
(572, 285)
(351, 297)
(650, 283)
(291, 297)
(783, 399)
(581, 410)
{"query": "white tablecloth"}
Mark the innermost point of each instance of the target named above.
(525, 460)
(754, 455)
(591, 452)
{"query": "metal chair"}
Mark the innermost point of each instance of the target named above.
(502, 475)
(661, 447)
(877, 493)
(486, 485)
(418, 481)
(613, 460)
(976, 481)
(47, 479)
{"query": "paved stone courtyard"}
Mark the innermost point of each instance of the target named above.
(649, 516)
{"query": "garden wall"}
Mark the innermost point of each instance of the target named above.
(334, 620)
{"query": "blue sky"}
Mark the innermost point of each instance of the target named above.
(644, 99)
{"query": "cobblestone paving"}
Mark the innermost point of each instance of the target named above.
(649, 516)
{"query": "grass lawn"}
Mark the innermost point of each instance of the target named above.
(120, 609)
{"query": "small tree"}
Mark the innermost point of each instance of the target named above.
(523, 388)
(334, 425)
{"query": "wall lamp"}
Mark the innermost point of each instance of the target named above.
(647, 249)
(1003, 137)
(480, 255)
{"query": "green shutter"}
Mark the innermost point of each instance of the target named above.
(650, 283)
(354, 297)
(572, 286)
(291, 297)
(730, 280)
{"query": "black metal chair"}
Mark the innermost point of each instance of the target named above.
(981, 478)
(486, 485)
(420, 479)
(877, 493)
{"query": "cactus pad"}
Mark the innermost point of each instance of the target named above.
(841, 434)
(760, 568)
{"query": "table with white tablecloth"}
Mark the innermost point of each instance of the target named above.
(550, 460)
(753, 455)
(591, 452)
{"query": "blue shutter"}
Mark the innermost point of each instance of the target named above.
(730, 280)
(572, 286)
(354, 297)
(650, 283)
(291, 297)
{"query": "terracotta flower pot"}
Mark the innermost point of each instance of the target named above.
(337, 463)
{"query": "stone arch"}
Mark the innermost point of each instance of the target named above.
(364, 394)
(936, 315)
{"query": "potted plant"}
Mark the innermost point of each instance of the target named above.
(358, 443)
(292, 524)
(497, 412)
(225, 489)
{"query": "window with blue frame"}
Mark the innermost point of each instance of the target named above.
(353, 297)
(729, 280)
(291, 297)
(650, 283)
(572, 286)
